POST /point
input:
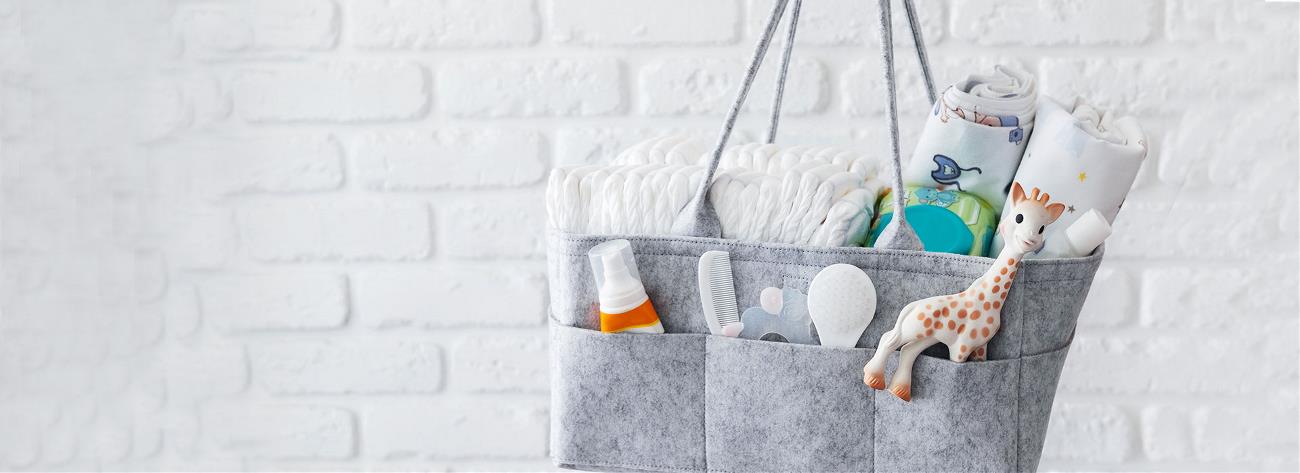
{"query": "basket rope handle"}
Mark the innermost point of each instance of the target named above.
(700, 219)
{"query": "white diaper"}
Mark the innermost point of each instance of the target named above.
(821, 196)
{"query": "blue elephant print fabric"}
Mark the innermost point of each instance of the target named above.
(975, 135)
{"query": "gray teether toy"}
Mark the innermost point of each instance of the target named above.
(793, 323)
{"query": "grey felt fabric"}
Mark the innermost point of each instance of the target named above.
(689, 401)
(627, 401)
(782, 73)
(699, 218)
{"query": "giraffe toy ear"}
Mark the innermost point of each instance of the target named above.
(1017, 193)
(1055, 211)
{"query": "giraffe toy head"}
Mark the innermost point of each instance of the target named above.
(1023, 225)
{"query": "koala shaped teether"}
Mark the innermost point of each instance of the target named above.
(791, 321)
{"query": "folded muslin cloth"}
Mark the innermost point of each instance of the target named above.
(975, 135)
(1084, 158)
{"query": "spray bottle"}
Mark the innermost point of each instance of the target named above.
(624, 304)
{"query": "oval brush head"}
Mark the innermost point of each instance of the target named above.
(841, 302)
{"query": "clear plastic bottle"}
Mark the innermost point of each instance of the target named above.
(624, 305)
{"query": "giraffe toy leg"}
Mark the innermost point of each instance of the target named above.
(874, 373)
(901, 385)
(980, 354)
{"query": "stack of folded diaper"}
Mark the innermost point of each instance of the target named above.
(676, 148)
(620, 199)
(822, 196)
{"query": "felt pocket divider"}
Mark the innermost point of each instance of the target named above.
(785, 407)
(631, 401)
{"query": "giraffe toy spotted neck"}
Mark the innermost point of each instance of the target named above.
(995, 282)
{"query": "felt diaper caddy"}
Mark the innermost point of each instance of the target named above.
(690, 401)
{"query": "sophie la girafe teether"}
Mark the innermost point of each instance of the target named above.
(967, 320)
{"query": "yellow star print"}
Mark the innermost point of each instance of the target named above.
(1083, 176)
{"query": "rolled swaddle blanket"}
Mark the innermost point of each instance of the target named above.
(1085, 158)
(975, 135)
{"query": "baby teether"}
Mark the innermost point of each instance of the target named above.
(791, 323)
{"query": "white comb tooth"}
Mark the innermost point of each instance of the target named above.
(718, 291)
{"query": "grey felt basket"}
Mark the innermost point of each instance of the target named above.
(691, 401)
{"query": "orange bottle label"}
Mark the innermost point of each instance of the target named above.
(643, 315)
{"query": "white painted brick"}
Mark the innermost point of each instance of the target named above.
(643, 22)
(1110, 300)
(1245, 433)
(850, 23)
(429, 24)
(1166, 433)
(862, 85)
(369, 90)
(197, 237)
(144, 110)
(1193, 227)
(1194, 150)
(708, 86)
(594, 145)
(285, 301)
(1191, 20)
(256, 163)
(1159, 85)
(1192, 297)
(449, 159)
(204, 370)
(501, 226)
(458, 427)
(1260, 23)
(336, 229)
(16, 106)
(1260, 26)
(530, 87)
(1100, 433)
(351, 366)
(280, 431)
(499, 363)
(452, 295)
(1193, 363)
(1055, 23)
(258, 26)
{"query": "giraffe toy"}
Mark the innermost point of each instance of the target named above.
(967, 320)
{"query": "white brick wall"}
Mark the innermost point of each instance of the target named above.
(304, 234)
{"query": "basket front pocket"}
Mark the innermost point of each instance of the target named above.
(627, 401)
(786, 407)
(962, 417)
(1038, 377)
